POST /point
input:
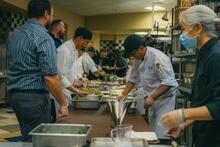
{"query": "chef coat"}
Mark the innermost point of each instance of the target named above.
(84, 64)
(155, 70)
(67, 54)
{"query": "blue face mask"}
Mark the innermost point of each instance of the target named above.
(188, 42)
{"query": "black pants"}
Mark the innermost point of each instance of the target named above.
(31, 109)
(53, 116)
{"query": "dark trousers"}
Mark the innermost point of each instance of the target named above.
(31, 109)
(53, 116)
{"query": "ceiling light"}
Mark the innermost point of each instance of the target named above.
(141, 33)
(156, 8)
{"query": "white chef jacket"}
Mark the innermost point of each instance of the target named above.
(156, 69)
(67, 54)
(76, 71)
(88, 64)
(84, 64)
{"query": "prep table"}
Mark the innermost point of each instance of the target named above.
(101, 120)
(20, 144)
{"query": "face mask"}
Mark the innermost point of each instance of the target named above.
(188, 42)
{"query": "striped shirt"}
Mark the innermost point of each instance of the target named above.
(31, 55)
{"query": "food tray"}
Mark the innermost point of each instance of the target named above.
(88, 102)
(57, 135)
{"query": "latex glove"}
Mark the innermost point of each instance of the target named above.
(82, 93)
(171, 119)
(175, 132)
(63, 111)
(148, 102)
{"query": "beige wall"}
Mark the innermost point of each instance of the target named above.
(121, 37)
(118, 26)
(107, 37)
(97, 36)
(112, 36)
(103, 26)
(18, 3)
(72, 20)
(96, 40)
(125, 22)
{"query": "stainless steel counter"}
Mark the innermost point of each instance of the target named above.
(21, 144)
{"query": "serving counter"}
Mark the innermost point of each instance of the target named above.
(101, 120)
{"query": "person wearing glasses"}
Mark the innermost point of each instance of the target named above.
(153, 69)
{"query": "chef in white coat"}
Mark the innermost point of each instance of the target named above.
(153, 69)
(82, 66)
(67, 55)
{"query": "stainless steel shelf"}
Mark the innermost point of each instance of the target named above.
(187, 55)
(178, 60)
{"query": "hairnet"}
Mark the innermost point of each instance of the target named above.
(201, 14)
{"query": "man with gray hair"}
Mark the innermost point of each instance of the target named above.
(198, 26)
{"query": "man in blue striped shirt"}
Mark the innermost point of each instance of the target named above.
(32, 70)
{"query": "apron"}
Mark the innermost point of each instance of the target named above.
(159, 108)
(139, 98)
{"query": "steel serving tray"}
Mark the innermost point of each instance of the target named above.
(89, 102)
(60, 135)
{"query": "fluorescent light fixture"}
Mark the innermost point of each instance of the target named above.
(156, 8)
(141, 33)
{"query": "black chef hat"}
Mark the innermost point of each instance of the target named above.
(131, 43)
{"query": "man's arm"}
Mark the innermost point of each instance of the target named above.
(129, 86)
(77, 91)
(151, 98)
(159, 91)
(53, 83)
(198, 113)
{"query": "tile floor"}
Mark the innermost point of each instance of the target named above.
(8, 124)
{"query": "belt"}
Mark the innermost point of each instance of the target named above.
(27, 90)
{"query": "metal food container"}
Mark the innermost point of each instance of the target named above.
(60, 135)
(118, 110)
(89, 102)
